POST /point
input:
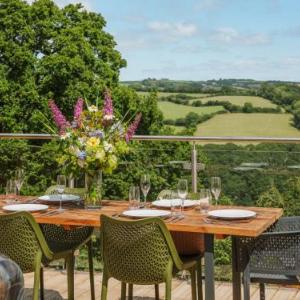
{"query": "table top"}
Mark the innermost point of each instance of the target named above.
(193, 221)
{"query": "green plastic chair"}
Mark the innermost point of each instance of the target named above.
(60, 239)
(22, 241)
(142, 252)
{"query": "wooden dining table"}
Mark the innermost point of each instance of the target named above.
(193, 222)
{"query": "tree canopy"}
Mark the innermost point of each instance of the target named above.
(51, 52)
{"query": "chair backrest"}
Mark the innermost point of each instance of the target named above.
(138, 252)
(22, 240)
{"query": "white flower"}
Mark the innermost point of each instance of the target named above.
(93, 108)
(81, 141)
(108, 117)
(108, 147)
(65, 136)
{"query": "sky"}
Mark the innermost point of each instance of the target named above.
(204, 39)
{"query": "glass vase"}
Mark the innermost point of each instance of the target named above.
(93, 185)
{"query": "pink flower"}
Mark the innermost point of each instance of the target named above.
(58, 117)
(78, 109)
(108, 110)
(133, 127)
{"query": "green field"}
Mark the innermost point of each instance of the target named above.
(241, 100)
(238, 124)
(174, 111)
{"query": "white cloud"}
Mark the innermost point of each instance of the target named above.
(179, 29)
(228, 35)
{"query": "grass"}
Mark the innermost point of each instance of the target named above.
(260, 125)
(174, 111)
(177, 129)
(241, 100)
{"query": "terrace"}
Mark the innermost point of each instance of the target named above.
(197, 165)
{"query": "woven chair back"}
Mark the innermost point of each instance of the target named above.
(135, 251)
(19, 240)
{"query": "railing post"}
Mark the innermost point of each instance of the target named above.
(194, 168)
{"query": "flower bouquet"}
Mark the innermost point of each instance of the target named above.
(92, 142)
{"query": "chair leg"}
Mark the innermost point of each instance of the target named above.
(70, 275)
(123, 291)
(156, 292)
(246, 282)
(104, 285)
(168, 288)
(199, 280)
(37, 272)
(91, 269)
(262, 291)
(193, 283)
(42, 294)
(130, 291)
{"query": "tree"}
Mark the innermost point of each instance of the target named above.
(271, 198)
(48, 52)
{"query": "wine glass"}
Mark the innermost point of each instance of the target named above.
(60, 188)
(215, 187)
(182, 189)
(145, 186)
(19, 179)
(204, 201)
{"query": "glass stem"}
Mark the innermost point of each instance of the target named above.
(181, 209)
(60, 202)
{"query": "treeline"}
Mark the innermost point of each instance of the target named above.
(246, 108)
(191, 120)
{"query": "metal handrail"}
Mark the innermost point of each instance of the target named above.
(171, 138)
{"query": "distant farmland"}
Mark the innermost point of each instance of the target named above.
(261, 125)
(174, 111)
(240, 100)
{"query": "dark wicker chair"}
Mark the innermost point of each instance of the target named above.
(274, 256)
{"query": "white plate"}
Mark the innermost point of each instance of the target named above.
(56, 198)
(25, 207)
(232, 214)
(166, 203)
(145, 213)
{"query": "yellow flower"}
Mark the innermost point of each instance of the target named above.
(93, 142)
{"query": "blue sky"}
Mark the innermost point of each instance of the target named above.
(204, 39)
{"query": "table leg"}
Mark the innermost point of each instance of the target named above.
(236, 275)
(209, 267)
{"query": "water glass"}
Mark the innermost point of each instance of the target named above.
(134, 197)
(173, 198)
(11, 191)
(205, 200)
